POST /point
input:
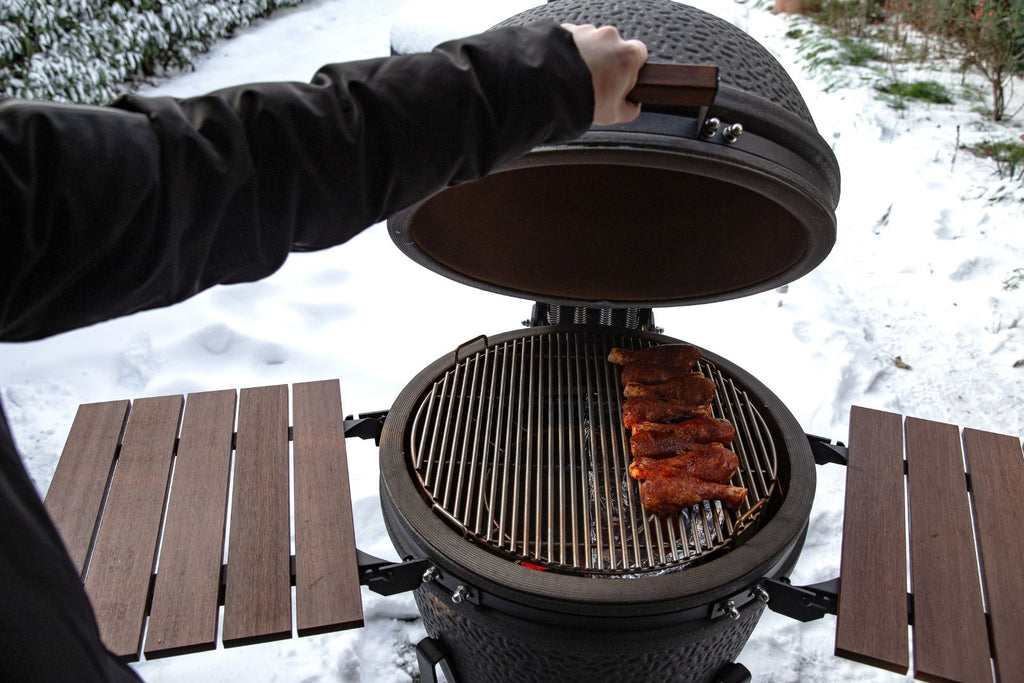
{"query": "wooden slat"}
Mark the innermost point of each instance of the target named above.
(183, 617)
(327, 595)
(996, 466)
(950, 634)
(257, 601)
(80, 481)
(872, 618)
(118, 576)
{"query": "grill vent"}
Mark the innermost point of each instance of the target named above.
(520, 446)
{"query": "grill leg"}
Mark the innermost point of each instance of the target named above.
(733, 672)
(430, 653)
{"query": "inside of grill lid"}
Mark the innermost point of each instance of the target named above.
(652, 213)
(616, 231)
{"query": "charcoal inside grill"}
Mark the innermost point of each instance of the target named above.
(521, 447)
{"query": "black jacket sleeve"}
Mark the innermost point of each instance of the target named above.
(109, 210)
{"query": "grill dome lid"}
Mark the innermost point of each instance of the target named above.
(652, 213)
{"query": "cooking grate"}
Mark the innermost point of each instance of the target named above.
(520, 446)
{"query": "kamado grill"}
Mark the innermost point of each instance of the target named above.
(504, 463)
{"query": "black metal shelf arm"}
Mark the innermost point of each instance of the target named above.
(803, 603)
(366, 425)
(814, 601)
(826, 452)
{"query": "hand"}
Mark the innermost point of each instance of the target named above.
(614, 64)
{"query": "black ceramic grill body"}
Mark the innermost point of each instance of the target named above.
(516, 623)
(651, 213)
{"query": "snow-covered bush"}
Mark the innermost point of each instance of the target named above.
(89, 51)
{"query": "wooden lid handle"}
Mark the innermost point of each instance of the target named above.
(676, 85)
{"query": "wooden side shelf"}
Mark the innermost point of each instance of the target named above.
(141, 497)
(943, 502)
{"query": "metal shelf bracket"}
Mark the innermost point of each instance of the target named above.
(803, 603)
(389, 578)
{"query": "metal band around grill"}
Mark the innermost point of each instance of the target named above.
(679, 127)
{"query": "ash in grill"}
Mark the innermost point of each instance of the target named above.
(520, 446)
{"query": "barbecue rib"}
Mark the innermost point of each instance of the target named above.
(692, 388)
(710, 462)
(670, 355)
(646, 372)
(699, 429)
(638, 410)
(653, 440)
(669, 494)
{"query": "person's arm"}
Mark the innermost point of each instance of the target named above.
(109, 210)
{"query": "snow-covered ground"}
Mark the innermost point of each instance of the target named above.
(927, 234)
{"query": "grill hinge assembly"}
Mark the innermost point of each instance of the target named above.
(544, 314)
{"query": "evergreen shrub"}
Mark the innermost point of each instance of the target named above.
(91, 51)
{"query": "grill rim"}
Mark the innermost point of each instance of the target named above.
(421, 529)
(597, 525)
